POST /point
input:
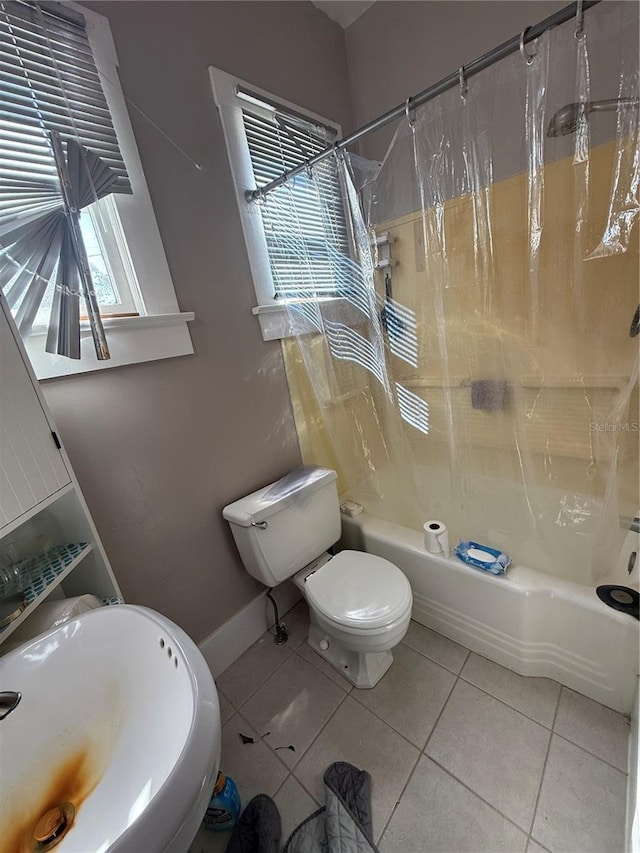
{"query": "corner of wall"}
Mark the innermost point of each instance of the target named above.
(225, 645)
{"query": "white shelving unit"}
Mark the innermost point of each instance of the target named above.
(36, 477)
(49, 588)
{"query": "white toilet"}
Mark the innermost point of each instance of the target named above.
(359, 604)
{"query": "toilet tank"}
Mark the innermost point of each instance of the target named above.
(284, 526)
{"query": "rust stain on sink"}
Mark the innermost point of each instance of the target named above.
(71, 782)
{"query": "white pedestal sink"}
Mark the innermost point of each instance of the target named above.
(118, 717)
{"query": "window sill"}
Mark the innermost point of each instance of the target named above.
(275, 323)
(131, 340)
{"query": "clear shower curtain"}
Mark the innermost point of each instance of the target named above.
(488, 378)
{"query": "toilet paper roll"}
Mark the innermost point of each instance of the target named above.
(436, 537)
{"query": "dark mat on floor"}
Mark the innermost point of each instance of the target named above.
(259, 828)
(343, 824)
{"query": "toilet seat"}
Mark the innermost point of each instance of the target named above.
(359, 591)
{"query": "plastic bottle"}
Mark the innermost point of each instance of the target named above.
(224, 807)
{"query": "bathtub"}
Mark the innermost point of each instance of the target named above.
(526, 620)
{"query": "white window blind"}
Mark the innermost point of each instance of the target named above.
(58, 155)
(304, 221)
(48, 82)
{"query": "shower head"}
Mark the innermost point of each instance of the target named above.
(565, 121)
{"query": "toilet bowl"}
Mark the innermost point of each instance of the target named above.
(359, 609)
(359, 604)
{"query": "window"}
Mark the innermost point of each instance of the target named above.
(64, 78)
(115, 286)
(277, 144)
(293, 246)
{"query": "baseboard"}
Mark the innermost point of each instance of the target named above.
(225, 645)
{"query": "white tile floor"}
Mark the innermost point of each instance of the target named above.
(465, 755)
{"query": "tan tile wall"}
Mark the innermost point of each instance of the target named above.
(561, 343)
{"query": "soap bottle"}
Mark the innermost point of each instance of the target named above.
(224, 807)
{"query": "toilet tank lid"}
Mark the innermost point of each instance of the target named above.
(266, 501)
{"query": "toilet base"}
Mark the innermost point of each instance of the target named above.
(363, 669)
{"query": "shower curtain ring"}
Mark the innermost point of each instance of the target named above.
(528, 57)
(463, 82)
(579, 30)
(407, 110)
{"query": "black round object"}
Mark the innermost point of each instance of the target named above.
(621, 598)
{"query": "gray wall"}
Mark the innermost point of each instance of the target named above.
(160, 448)
(398, 48)
(435, 38)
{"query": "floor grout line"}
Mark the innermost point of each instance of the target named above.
(460, 675)
(273, 751)
(400, 796)
(238, 710)
(580, 746)
(386, 722)
(421, 752)
(305, 789)
(479, 796)
(453, 776)
(391, 726)
(322, 728)
(513, 708)
(550, 728)
(433, 660)
(260, 735)
(311, 663)
(532, 839)
(292, 775)
(453, 687)
(544, 770)
(588, 752)
(354, 694)
(221, 692)
(275, 793)
(253, 692)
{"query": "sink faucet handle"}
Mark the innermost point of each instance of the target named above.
(9, 701)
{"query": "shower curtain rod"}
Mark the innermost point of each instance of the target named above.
(456, 78)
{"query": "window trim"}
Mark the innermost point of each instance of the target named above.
(271, 313)
(130, 340)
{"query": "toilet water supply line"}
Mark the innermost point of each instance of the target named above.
(457, 78)
(281, 636)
